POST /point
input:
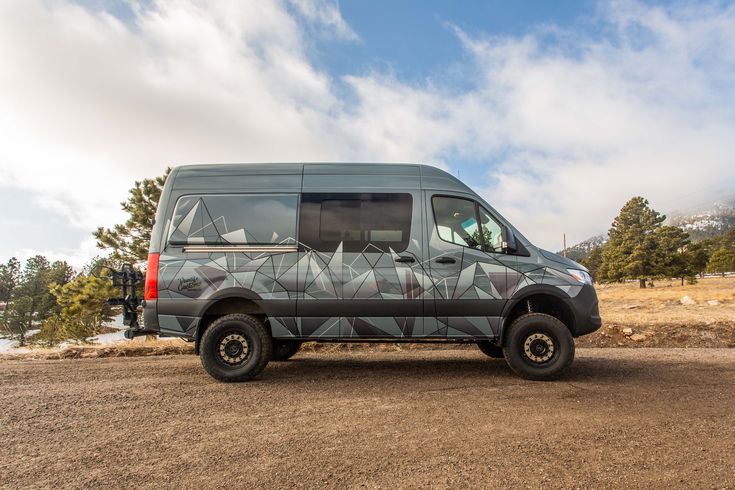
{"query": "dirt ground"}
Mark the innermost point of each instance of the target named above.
(419, 418)
(662, 317)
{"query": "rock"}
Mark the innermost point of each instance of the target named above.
(686, 300)
(627, 332)
(713, 302)
(638, 337)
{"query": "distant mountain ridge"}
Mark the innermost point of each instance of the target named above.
(582, 249)
(707, 223)
(702, 223)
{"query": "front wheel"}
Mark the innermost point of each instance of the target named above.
(538, 347)
(235, 348)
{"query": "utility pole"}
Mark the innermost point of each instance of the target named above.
(564, 238)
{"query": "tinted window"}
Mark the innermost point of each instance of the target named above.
(243, 219)
(356, 221)
(456, 221)
(491, 232)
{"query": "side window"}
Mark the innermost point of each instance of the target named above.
(456, 221)
(240, 219)
(356, 220)
(492, 233)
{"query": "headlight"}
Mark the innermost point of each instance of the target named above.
(580, 276)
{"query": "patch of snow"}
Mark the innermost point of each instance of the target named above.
(7, 344)
(108, 338)
(116, 322)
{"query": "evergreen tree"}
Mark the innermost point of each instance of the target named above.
(129, 241)
(697, 256)
(593, 261)
(722, 258)
(671, 258)
(727, 240)
(630, 252)
(9, 279)
(721, 261)
(32, 301)
(82, 309)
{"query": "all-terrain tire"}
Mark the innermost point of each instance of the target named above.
(284, 350)
(538, 347)
(490, 349)
(235, 347)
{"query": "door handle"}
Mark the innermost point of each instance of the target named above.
(445, 260)
(406, 259)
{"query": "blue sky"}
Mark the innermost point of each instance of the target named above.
(556, 112)
(414, 40)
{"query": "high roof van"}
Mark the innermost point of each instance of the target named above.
(251, 260)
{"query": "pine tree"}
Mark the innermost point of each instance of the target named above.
(630, 252)
(728, 240)
(722, 258)
(32, 301)
(83, 309)
(721, 261)
(9, 279)
(671, 258)
(129, 241)
(697, 255)
(593, 262)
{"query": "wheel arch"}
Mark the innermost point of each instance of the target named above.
(541, 299)
(225, 302)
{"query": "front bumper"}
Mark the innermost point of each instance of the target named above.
(586, 309)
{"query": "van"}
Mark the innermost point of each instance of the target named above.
(249, 261)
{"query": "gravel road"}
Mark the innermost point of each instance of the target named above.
(421, 418)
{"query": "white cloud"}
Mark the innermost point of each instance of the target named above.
(579, 126)
(572, 128)
(76, 257)
(327, 14)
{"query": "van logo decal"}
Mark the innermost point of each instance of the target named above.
(189, 283)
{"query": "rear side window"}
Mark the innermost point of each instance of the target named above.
(356, 220)
(234, 219)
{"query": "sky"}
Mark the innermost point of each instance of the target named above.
(555, 112)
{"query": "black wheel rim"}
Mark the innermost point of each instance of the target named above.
(233, 348)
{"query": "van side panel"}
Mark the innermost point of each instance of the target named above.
(366, 291)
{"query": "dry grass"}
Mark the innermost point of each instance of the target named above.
(656, 317)
(123, 348)
(627, 304)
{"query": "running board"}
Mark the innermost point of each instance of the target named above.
(131, 333)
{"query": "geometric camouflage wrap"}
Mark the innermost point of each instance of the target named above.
(306, 275)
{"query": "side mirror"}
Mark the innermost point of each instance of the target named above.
(509, 241)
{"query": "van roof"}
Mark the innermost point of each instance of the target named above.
(424, 176)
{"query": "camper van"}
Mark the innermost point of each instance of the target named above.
(249, 261)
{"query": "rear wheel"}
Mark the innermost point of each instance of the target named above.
(538, 347)
(490, 349)
(284, 349)
(235, 348)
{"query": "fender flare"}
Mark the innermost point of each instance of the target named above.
(219, 295)
(527, 292)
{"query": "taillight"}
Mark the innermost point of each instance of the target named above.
(151, 277)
